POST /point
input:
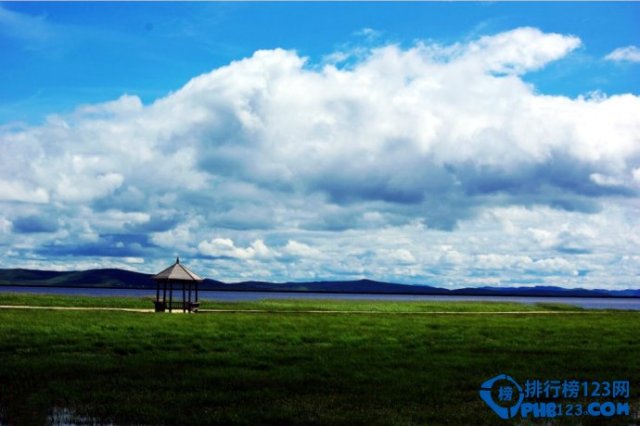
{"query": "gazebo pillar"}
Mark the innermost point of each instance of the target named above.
(170, 296)
(184, 302)
(189, 295)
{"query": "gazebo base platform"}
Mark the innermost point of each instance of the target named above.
(161, 306)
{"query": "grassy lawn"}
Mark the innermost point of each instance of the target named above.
(284, 304)
(295, 368)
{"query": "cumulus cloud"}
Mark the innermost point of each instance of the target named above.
(518, 51)
(366, 163)
(296, 249)
(225, 247)
(18, 191)
(258, 250)
(626, 54)
(399, 256)
(499, 262)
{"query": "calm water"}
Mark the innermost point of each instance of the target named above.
(238, 296)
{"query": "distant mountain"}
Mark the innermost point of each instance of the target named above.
(119, 278)
(359, 286)
(545, 291)
(90, 278)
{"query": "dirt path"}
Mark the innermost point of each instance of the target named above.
(74, 308)
(284, 311)
(271, 311)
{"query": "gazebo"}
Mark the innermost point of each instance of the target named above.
(176, 273)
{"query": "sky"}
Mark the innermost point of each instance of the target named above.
(449, 144)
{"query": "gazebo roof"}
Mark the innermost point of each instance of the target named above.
(177, 272)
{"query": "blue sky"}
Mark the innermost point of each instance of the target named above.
(59, 55)
(444, 143)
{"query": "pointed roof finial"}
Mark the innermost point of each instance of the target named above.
(177, 272)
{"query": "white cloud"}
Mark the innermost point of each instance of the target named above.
(509, 264)
(181, 237)
(545, 238)
(69, 188)
(345, 171)
(226, 247)
(518, 51)
(368, 33)
(554, 265)
(401, 256)
(604, 180)
(5, 225)
(627, 54)
(502, 261)
(294, 248)
(17, 191)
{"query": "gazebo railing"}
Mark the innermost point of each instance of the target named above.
(176, 305)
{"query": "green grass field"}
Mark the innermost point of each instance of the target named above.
(290, 367)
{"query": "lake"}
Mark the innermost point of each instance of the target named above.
(238, 296)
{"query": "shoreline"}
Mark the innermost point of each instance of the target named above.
(371, 293)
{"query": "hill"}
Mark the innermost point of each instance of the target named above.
(90, 278)
(118, 278)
